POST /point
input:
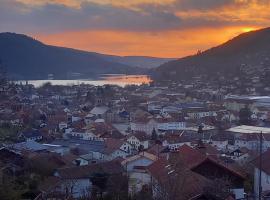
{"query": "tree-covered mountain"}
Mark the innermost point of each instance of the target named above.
(144, 62)
(245, 55)
(26, 58)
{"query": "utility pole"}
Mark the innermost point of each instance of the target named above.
(260, 166)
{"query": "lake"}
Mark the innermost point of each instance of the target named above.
(112, 79)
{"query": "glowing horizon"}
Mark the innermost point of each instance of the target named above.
(173, 46)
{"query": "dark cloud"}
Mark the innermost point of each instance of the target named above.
(202, 4)
(51, 18)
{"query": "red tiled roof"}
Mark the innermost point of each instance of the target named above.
(219, 163)
(189, 156)
(155, 149)
(192, 158)
(113, 144)
(190, 183)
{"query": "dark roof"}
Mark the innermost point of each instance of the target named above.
(31, 134)
(222, 137)
(111, 167)
(140, 135)
(85, 145)
(27, 146)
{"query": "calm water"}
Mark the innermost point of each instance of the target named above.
(120, 80)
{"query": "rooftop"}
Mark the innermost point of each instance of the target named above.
(249, 129)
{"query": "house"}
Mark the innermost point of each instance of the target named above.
(89, 119)
(28, 146)
(88, 135)
(144, 125)
(174, 141)
(136, 168)
(85, 159)
(169, 183)
(78, 181)
(236, 103)
(171, 126)
(220, 141)
(138, 140)
(117, 148)
(99, 111)
(198, 113)
(62, 125)
(197, 170)
(265, 173)
(249, 136)
(30, 136)
(242, 155)
(81, 147)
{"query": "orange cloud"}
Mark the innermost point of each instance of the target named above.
(161, 44)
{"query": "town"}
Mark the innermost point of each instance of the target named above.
(178, 140)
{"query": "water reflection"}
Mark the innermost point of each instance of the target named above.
(120, 80)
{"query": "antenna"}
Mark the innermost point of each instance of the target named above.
(260, 165)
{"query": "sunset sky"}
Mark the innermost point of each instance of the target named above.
(163, 28)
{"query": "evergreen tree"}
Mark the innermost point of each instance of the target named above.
(200, 129)
(245, 116)
(154, 135)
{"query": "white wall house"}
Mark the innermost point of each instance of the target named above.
(62, 125)
(174, 145)
(136, 143)
(220, 144)
(136, 169)
(171, 126)
(146, 127)
(265, 181)
(265, 174)
(199, 115)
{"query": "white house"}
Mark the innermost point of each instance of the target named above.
(171, 126)
(201, 114)
(137, 140)
(117, 148)
(85, 159)
(146, 126)
(62, 125)
(136, 167)
(99, 111)
(248, 136)
(174, 142)
(220, 141)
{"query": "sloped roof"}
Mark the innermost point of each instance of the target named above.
(112, 144)
(28, 146)
(111, 167)
(99, 110)
(138, 156)
(249, 129)
(192, 158)
(186, 183)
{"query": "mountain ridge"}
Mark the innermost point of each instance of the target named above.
(27, 58)
(241, 53)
